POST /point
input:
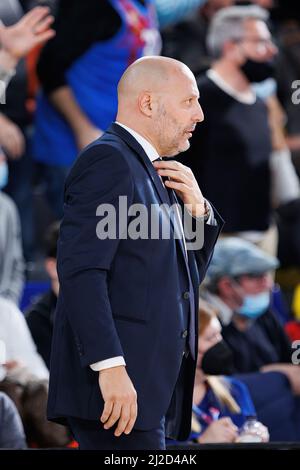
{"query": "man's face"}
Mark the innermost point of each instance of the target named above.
(257, 42)
(253, 285)
(178, 112)
(233, 291)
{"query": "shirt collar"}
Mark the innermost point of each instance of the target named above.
(150, 151)
(245, 98)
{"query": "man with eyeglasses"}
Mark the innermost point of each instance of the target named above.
(230, 154)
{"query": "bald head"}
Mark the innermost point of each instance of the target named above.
(158, 98)
(152, 73)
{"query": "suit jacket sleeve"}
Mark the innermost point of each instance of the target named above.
(206, 235)
(100, 176)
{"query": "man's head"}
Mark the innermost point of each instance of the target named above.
(240, 34)
(158, 98)
(240, 274)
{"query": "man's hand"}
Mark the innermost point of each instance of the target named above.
(33, 29)
(120, 400)
(11, 138)
(183, 181)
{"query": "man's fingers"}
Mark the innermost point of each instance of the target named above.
(108, 406)
(170, 164)
(133, 414)
(175, 175)
(182, 187)
(34, 16)
(115, 415)
(123, 421)
(43, 37)
(43, 25)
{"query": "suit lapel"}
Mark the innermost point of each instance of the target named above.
(138, 149)
(162, 192)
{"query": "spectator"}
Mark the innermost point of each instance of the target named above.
(186, 40)
(239, 284)
(15, 118)
(221, 404)
(11, 429)
(17, 40)
(40, 316)
(235, 137)
(11, 257)
(79, 75)
(22, 362)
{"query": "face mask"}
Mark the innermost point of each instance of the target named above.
(255, 305)
(218, 360)
(258, 71)
(3, 174)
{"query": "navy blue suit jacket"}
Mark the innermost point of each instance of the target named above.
(120, 297)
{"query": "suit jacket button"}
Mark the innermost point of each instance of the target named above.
(184, 334)
(186, 295)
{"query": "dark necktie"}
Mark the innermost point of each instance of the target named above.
(192, 327)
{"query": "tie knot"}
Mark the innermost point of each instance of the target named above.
(159, 159)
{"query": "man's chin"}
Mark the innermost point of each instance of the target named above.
(181, 148)
(184, 147)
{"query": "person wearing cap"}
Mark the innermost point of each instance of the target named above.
(239, 284)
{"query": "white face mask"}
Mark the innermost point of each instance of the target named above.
(3, 174)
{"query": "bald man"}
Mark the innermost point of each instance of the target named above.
(124, 346)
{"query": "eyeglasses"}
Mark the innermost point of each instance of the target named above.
(258, 41)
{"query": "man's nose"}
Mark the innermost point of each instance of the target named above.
(199, 116)
(270, 51)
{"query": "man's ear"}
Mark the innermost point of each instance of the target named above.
(145, 103)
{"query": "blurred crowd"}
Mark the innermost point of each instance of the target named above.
(60, 62)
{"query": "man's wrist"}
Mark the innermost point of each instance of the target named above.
(102, 371)
(201, 211)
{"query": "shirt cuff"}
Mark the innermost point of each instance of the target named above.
(108, 363)
(210, 217)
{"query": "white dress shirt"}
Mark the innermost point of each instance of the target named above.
(152, 153)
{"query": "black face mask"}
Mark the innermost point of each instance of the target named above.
(258, 71)
(218, 360)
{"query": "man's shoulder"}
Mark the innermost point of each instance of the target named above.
(105, 154)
